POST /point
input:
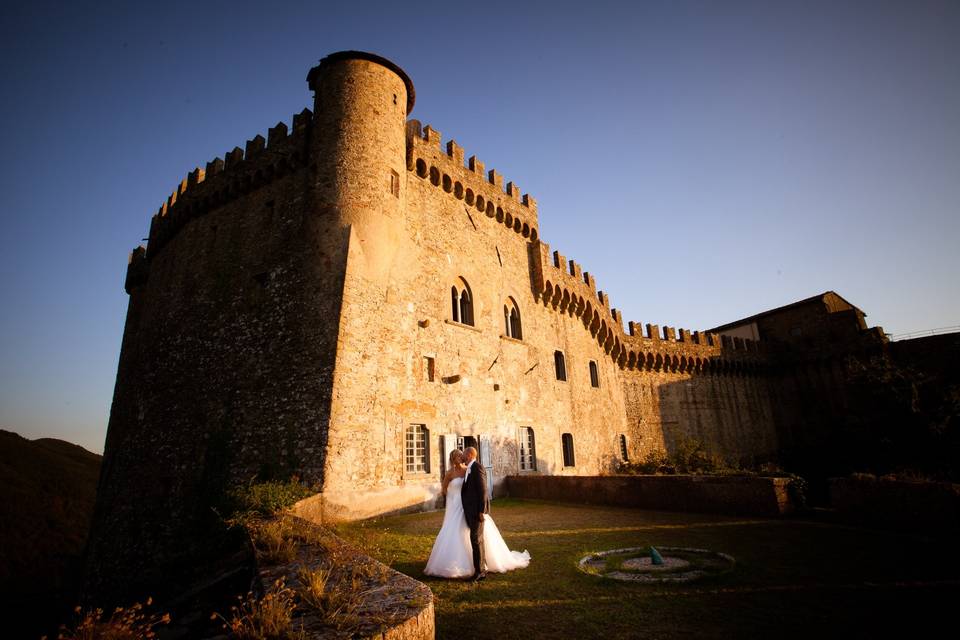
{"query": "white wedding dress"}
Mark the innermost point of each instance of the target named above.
(452, 556)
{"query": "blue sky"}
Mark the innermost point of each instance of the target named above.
(704, 160)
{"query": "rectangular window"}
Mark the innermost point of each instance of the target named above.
(560, 365)
(429, 368)
(394, 183)
(528, 450)
(623, 447)
(567, 442)
(417, 449)
(594, 375)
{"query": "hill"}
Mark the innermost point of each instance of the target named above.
(47, 490)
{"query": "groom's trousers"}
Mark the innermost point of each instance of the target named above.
(476, 543)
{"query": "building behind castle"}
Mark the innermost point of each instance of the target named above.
(348, 299)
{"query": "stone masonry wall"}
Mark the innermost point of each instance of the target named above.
(226, 366)
(460, 223)
(485, 384)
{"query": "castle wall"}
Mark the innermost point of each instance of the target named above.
(222, 376)
(485, 384)
(729, 414)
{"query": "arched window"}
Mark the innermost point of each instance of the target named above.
(560, 365)
(416, 449)
(461, 302)
(511, 320)
(623, 447)
(528, 449)
(594, 375)
(567, 441)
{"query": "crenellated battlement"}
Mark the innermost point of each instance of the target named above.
(469, 182)
(240, 171)
(562, 285)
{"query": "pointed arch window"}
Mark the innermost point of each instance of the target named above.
(511, 320)
(461, 302)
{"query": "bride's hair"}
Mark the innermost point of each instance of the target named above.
(456, 453)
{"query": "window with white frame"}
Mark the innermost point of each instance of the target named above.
(417, 449)
(528, 450)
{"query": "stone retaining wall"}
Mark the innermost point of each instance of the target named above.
(736, 495)
(394, 606)
(901, 504)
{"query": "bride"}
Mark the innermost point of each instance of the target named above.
(451, 556)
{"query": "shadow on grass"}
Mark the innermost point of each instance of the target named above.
(792, 579)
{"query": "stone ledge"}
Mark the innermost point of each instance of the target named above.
(409, 602)
(733, 495)
(454, 323)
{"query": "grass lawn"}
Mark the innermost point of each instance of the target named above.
(793, 578)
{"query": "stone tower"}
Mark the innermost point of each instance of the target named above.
(361, 105)
(228, 352)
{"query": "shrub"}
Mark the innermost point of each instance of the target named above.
(689, 456)
(267, 498)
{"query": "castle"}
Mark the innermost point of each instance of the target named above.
(349, 299)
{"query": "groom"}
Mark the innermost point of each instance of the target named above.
(475, 505)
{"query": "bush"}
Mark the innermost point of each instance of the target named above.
(689, 456)
(267, 498)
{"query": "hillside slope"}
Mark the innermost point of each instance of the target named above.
(47, 490)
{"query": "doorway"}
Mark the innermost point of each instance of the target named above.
(468, 441)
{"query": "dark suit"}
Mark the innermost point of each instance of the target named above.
(475, 502)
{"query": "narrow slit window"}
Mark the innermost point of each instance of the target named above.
(560, 365)
(594, 375)
(394, 183)
(567, 442)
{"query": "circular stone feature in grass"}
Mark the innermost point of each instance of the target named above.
(633, 564)
(646, 564)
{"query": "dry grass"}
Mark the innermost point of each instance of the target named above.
(337, 602)
(274, 541)
(266, 618)
(130, 623)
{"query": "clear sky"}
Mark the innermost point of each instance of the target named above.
(704, 160)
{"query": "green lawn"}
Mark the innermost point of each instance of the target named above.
(793, 578)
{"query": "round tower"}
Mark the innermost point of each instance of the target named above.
(359, 141)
